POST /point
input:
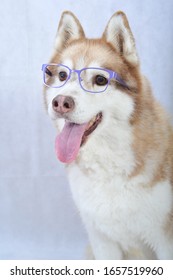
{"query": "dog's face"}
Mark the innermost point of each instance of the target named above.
(86, 104)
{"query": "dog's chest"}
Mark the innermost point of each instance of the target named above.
(106, 201)
(120, 209)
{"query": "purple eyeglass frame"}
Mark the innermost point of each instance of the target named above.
(112, 75)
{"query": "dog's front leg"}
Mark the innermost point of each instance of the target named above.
(102, 247)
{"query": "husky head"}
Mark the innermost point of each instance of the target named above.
(88, 114)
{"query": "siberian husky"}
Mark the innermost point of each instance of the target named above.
(115, 139)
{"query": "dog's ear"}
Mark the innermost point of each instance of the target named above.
(119, 34)
(69, 29)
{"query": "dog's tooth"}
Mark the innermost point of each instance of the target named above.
(91, 122)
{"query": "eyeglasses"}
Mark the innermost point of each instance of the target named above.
(91, 79)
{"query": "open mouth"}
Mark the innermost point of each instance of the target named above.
(73, 136)
(92, 125)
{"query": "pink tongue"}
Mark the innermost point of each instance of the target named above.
(67, 143)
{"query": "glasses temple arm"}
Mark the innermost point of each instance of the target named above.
(43, 67)
(120, 80)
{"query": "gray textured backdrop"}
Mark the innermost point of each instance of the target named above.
(38, 219)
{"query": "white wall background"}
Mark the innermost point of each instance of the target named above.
(38, 219)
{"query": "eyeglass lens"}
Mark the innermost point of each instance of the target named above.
(56, 75)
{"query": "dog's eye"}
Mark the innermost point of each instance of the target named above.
(62, 76)
(48, 72)
(100, 80)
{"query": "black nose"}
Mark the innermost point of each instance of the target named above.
(63, 104)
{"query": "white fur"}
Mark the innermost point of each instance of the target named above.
(120, 215)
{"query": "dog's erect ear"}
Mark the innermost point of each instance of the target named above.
(69, 29)
(119, 34)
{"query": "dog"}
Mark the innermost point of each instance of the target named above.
(114, 138)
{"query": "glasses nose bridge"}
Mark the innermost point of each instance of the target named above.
(76, 71)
